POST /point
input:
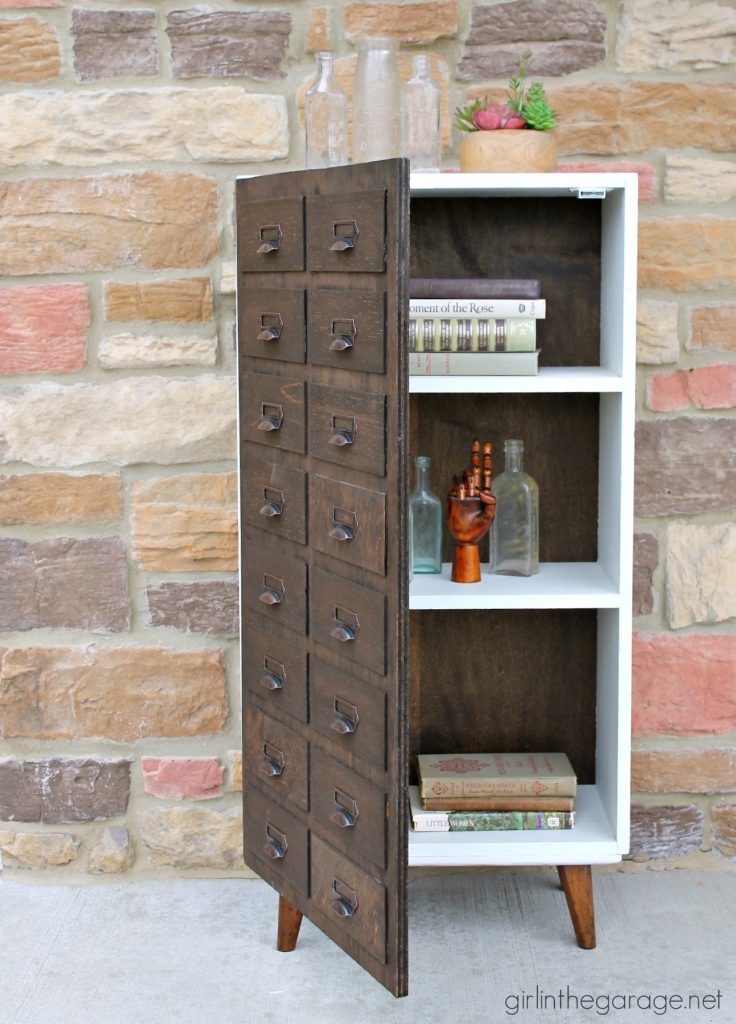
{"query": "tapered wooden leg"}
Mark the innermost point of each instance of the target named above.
(577, 883)
(290, 921)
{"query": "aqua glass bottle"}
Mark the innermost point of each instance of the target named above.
(515, 529)
(420, 117)
(425, 521)
(326, 117)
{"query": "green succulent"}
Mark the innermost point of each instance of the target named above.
(536, 110)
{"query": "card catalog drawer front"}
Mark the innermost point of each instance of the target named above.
(347, 232)
(348, 897)
(350, 713)
(348, 428)
(271, 235)
(272, 411)
(276, 757)
(274, 499)
(271, 324)
(347, 329)
(349, 619)
(351, 810)
(275, 585)
(275, 671)
(348, 522)
(277, 838)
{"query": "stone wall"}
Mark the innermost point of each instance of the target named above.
(122, 127)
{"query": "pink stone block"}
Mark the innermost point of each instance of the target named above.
(30, 3)
(647, 179)
(703, 387)
(43, 328)
(182, 778)
(684, 685)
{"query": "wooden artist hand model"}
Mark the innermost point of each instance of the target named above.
(470, 510)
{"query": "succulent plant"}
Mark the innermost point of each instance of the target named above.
(525, 108)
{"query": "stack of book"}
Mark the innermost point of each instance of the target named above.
(474, 325)
(493, 792)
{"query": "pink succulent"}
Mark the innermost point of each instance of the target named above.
(497, 115)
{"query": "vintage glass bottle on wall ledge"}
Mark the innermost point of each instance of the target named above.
(420, 117)
(425, 521)
(515, 530)
(326, 117)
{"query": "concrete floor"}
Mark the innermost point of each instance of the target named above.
(202, 952)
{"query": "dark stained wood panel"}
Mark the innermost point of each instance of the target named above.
(558, 242)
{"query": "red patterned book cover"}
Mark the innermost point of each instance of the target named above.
(470, 775)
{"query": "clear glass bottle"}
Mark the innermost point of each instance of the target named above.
(420, 118)
(326, 117)
(425, 521)
(515, 529)
(376, 100)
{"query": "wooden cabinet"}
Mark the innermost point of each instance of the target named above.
(349, 672)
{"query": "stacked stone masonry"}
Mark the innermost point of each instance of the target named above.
(121, 131)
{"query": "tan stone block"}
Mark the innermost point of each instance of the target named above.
(187, 522)
(29, 50)
(699, 180)
(318, 29)
(182, 301)
(38, 850)
(116, 693)
(684, 771)
(684, 253)
(344, 69)
(228, 278)
(113, 853)
(141, 419)
(236, 770)
(195, 837)
(223, 124)
(131, 351)
(657, 338)
(408, 22)
(723, 829)
(713, 327)
(147, 221)
(701, 573)
(44, 498)
(663, 35)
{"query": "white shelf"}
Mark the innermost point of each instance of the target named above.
(556, 585)
(561, 183)
(549, 380)
(592, 841)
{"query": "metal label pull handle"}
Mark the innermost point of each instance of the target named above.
(342, 335)
(344, 429)
(344, 234)
(273, 761)
(270, 331)
(344, 524)
(273, 591)
(272, 416)
(346, 717)
(344, 901)
(346, 810)
(276, 845)
(346, 626)
(274, 675)
(273, 502)
(270, 236)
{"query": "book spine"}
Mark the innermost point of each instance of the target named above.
(500, 803)
(506, 821)
(528, 786)
(479, 364)
(472, 334)
(529, 309)
(474, 288)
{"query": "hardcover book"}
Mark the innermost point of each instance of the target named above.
(499, 803)
(472, 334)
(487, 821)
(474, 364)
(465, 775)
(474, 288)
(531, 309)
